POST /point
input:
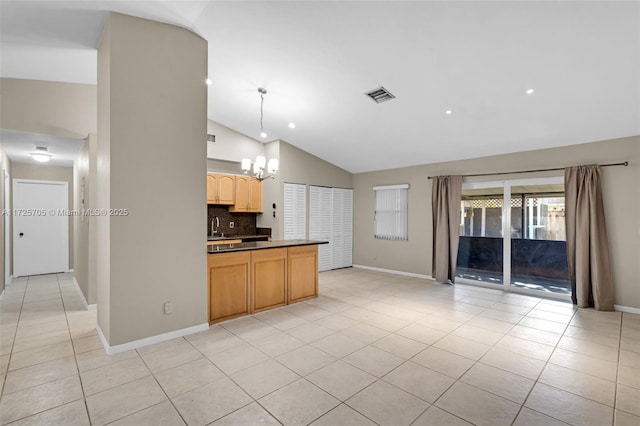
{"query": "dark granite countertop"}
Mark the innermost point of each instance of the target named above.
(259, 245)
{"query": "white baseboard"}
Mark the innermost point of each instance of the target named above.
(87, 306)
(391, 271)
(627, 309)
(111, 350)
(69, 270)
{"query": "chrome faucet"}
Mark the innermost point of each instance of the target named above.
(215, 224)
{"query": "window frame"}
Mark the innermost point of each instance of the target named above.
(398, 227)
(507, 184)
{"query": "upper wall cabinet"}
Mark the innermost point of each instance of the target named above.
(248, 195)
(221, 189)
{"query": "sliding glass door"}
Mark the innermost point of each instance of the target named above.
(480, 252)
(512, 235)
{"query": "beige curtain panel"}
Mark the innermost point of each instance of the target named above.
(445, 202)
(587, 241)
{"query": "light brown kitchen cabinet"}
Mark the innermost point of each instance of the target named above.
(221, 189)
(248, 195)
(229, 285)
(247, 281)
(302, 277)
(268, 279)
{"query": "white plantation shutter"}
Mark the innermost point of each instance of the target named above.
(295, 211)
(342, 227)
(391, 212)
(321, 224)
(347, 229)
(336, 232)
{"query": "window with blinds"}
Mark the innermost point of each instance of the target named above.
(295, 211)
(391, 212)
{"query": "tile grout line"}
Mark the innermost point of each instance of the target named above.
(615, 392)
(15, 333)
(155, 379)
(19, 316)
(536, 381)
(457, 379)
(84, 397)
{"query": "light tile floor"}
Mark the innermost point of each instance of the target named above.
(374, 348)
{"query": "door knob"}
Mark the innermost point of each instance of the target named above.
(21, 234)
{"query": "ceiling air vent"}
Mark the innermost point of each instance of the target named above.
(380, 95)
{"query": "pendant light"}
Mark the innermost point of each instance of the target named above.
(261, 168)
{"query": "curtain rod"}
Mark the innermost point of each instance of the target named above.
(626, 163)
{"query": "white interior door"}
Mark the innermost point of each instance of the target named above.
(40, 232)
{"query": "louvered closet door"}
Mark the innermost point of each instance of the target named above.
(321, 224)
(347, 228)
(342, 228)
(295, 211)
(337, 237)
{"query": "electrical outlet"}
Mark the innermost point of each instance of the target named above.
(168, 308)
(231, 225)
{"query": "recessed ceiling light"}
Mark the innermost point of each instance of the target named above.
(448, 112)
(292, 125)
(530, 91)
(263, 135)
(208, 82)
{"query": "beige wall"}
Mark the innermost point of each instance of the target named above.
(273, 192)
(5, 164)
(85, 227)
(152, 161)
(81, 223)
(47, 107)
(621, 187)
(44, 172)
(230, 145)
(103, 184)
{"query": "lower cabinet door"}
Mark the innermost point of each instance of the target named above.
(269, 278)
(303, 273)
(229, 279)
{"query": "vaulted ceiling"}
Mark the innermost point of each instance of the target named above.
(316, 59)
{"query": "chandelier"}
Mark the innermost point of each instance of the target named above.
(261, 168)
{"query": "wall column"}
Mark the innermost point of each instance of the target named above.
(151, 161)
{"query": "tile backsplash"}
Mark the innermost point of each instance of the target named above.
(244, 223)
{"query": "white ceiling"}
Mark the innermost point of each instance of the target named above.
(18, 145)
(317, 58)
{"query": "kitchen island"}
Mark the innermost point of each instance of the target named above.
(250, 277)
